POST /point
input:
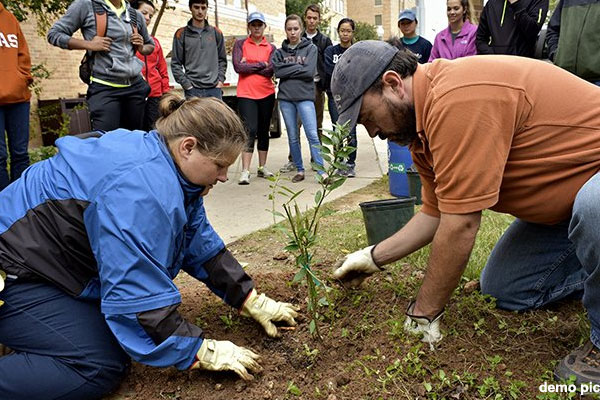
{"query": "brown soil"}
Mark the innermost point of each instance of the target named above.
(363, 354)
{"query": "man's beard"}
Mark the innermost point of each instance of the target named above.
(405, 123)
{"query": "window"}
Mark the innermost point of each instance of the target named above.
(378, 20)
(378, 2)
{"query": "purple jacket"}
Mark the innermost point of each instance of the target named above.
(464, 44)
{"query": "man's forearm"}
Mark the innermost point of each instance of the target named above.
(418, 232)
(450, 252)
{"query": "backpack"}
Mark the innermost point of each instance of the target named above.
(87, 62)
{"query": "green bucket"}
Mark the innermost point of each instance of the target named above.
(414, 185)
(383, 218)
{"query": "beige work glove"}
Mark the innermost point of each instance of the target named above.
(429, 328)
(266, 311)
(222, 355)
(353, 269)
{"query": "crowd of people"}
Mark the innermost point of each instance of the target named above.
(86, 277)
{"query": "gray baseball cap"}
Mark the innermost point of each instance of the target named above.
(256, 16)
(355, 72)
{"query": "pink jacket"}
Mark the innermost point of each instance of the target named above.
(464, 44)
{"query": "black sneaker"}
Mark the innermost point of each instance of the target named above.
(583, 363)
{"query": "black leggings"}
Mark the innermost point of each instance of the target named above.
(112, 108)
(256, 115)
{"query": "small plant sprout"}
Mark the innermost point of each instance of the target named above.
(302, 232)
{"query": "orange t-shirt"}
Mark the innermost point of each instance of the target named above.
(511, 134)
(255, 85)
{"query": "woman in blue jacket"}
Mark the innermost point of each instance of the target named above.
(90, 242)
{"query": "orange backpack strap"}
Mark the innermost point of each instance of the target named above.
(179, 32)
(101, 19)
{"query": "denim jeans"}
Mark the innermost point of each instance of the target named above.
(14, 120)
(333, 113)
(197, 92)
(306, 110)
(533, 265)
(63, 346)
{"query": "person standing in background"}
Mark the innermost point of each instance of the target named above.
(458, 40)
(154, 69)
(312, 19)
(256, 93)
(345, 30)
(574, 38)
(116, 92)
(510, 26)
(199, 60)
(407, 22)
(15, 65)
(294, 64)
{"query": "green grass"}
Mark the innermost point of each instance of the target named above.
(486, 354)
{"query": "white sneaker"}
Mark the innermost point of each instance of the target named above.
(244, 178)
(263, 172)
(288, 167)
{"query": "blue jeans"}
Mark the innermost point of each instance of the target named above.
(533, 265)
(306, 110)
(197, 92)
(63, 346)
(14, 120)
(333, 113)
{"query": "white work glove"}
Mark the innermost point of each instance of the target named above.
(429, 328)
(265, 311)
(222, 355)
(355, 267)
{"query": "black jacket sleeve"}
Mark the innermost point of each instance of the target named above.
(482, 39)
(529, 20)
(553, 32)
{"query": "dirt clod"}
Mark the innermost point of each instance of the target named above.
(471, 286)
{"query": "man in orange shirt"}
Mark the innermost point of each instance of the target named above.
(15, 69)
(488, 132)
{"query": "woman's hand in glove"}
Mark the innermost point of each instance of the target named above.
(266, 311)
(222, 355)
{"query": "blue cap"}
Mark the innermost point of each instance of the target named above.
(256, 16)
(408, 14)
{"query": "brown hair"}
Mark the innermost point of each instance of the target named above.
(468, 7)
(313, 8)
(217, 127)
(294, 17)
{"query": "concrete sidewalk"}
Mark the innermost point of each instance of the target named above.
(236, 210)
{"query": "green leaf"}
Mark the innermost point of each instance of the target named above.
(293, 389)
(327, 140)
(291, 247)
(318, 196)
(324, 150)
(276, 213)
(312, 326)
(298, 193)
(323, 301)
(299, 276)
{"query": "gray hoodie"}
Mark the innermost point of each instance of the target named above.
(295, 69)
(205, 58)
(119, 64)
